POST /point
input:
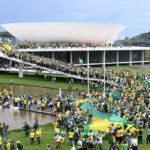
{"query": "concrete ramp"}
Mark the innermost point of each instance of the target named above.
(2, 55)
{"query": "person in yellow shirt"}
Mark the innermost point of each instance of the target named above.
(55, 124)
(71, 136)
(38, 134)
(117, 135)
(133, 129)
(110, 99)
(25, 102)
(32, 134)
(57, 130)
(121, 132)
(8, 145)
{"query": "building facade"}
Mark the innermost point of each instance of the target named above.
(95, 33)
(112, 56)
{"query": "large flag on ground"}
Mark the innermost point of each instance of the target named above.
(101, 121)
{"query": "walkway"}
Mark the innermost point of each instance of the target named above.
(2, 55)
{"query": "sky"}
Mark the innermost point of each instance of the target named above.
(134, 14)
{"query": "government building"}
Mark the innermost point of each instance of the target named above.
(70, 42)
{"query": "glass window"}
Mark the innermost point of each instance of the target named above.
(136, 55)
(96, 56)
(77, 55)
(124, 56)
(111, 56)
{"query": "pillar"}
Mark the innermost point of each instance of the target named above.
(53, 56)
(10, 63)
(117, 59)
(71, 57)
(60, 93)
(104, 80)
(104, 58)
(20, 70)
(130, 57)
(143, 55)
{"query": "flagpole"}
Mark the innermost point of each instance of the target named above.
(88, 72)
(104, 66)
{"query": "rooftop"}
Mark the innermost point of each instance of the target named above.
(96, 33)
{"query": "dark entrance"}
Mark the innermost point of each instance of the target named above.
(68, 57)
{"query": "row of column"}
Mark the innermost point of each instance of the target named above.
(117, 57)
(130, 58)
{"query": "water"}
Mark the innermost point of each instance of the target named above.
(16, 118)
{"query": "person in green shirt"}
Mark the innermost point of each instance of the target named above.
(111, 142)
(4, 143)
(124, 146)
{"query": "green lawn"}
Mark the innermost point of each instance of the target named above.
(48, 137)
(40, 80)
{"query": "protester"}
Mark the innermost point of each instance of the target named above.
(134, 143)
(99, 141)
(8, 145)
(32, 135)
(58, 140)
(140, 136)
(79, 144)
(36, 125)
(26, 129)
(38, 134)
(71, 136)
(148, 136)
(4, 143)
(127, 96)
(19, 145)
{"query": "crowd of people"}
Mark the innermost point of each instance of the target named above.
(56, 64)
(129, 100)
(80, 70)
(5, 142)
(45, 45)
(33, 133)
(127, 96)
(4, 63)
